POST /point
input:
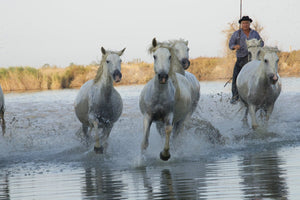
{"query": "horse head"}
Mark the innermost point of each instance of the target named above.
(162, 60)
(254, 46)
(113, 61)
(181, 51)
(270, 63)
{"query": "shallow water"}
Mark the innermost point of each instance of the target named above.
(216, 158)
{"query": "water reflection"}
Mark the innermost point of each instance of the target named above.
(4, 187)
(176, 186)
(103, 184)
(172, 182)
(263, 177)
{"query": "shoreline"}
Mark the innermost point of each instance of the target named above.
(118, 85)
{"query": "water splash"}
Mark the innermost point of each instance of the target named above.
(41, 126)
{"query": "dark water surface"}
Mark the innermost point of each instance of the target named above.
(42, 158)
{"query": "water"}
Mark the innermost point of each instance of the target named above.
(216, 158)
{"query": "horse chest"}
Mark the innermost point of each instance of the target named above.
(263, 96)
(106, 109)
(159, 110)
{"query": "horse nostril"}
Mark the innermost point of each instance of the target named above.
(273, 78)
(163, 77)
(117, 75)
(185, 63)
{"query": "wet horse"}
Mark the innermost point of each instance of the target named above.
(2, 110)
(180, 62)
(165, 99)
(259, 84)
(98, 105)
(254, 48)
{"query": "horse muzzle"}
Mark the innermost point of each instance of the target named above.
(185, 63)
(273, 78)
(117, 76)
(163, 78)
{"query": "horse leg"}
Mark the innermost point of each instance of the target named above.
(87, 133)
(3, 122)
(101, 143)
(252, 111)
(165, 154)
(147, 121)
(178, 128)
(85, 130)
(160, 128)
(269, 112)
(245, 119)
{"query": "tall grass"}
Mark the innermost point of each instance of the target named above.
(73, 76)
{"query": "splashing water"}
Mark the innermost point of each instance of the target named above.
(42, 125)
(41, 140)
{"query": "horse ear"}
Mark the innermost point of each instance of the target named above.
(103, 51)
(154, 42)
(121, 52)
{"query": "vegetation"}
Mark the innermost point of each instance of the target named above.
(73, 76)
(135, 72)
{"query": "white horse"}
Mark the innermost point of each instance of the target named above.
(98, 104)
(2, 110)
(180, 62)
(164, 101)
(254, 46)
(259, 84)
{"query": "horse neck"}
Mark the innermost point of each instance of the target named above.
(263, 77)
(175, 83)
(103, 78)
(254, 51)
(176, 65)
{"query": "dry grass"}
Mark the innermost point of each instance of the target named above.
(73, 76)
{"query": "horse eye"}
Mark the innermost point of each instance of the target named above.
(154, 57)
(188, 49)
(169, 57)
(266, 61)
(120, 60)
(107, 61)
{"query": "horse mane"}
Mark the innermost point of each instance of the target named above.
(101, 65)
(253, 43)
(173, 42)
(170, 46)
(271, 49)
(152, 49)
(166, 44)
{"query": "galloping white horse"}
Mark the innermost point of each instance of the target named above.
(164, 101)
(98, 104)
(2, 110)
(254, 48)
(259, 84)
(180, 62)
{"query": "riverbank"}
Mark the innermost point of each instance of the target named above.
(73, 76)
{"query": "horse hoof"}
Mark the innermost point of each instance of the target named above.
(164, 157)
(98, 150)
